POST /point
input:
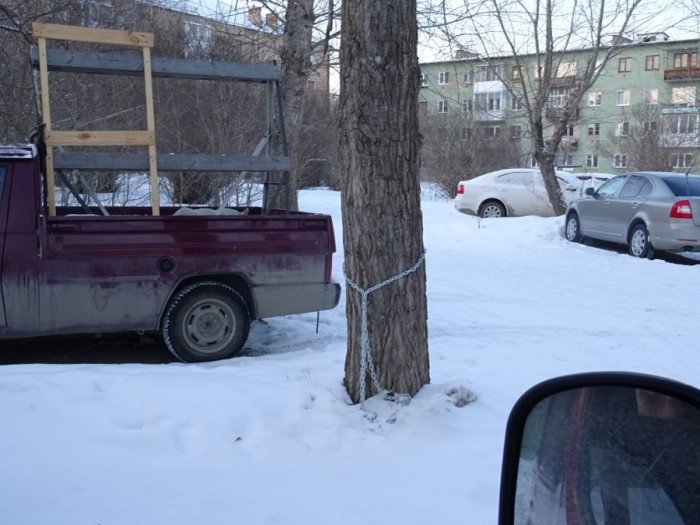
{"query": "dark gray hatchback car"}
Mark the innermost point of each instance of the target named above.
(646, 211)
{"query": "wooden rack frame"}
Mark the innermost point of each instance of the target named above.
(53, 138)
(153, 67)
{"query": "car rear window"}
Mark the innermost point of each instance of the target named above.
(684, 187)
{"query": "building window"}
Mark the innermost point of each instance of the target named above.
(565, 159)
(423, 79)
(489, 73)
(651, 96)
(682, 160)
(652, 62)
(533, 162)
(595, 98)
(423, 107)
(442, 106)
(467, 105)
(569, 131)
(685, 59)
(516, 73)
(624, 65)
(620, 160)
(593, 129)
(468, 76)
(489, 101)
(623, 97)
(558, 97)
(198, 37)
(492, 131)
(682, 124)
(566, 69)
(683, 96)
(591, 161)
(516, 102)
(310, 85)
(623, 129)
(516, 132)
(444, 78)
(649, 127)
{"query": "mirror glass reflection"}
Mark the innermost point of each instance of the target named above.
(610, 455)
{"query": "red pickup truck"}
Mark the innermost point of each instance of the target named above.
(197, 280)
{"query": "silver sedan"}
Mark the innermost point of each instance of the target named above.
(646, 211)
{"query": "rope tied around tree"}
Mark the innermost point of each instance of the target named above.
(366, 362)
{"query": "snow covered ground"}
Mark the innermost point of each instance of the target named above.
(269, 437)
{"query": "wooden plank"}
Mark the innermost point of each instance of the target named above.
(46, 118)
(132, 65)
(50, 182)
(91, 34)
(44, 82)
(100, 138)
(151, 125)
(139, 161)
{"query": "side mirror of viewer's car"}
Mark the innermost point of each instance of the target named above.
(590, 191)
(603, 448)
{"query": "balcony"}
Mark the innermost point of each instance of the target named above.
(489, 115)
(567, 81)
(555, 113)
(682, 74)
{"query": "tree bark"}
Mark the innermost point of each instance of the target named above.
(295, 57)
(378, 158)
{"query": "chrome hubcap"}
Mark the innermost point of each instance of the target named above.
(638, 243)
(492, 211)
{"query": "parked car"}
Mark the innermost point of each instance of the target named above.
(646, 211)
(512, 193)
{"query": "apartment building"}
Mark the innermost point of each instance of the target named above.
(649, 89)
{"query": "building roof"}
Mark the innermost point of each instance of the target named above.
(478, 58)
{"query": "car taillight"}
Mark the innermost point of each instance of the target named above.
(681, 210)
(460, 189)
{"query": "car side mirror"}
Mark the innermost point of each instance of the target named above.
(590, 191)
(602, 448)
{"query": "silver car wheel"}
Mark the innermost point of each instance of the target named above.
(572, 228)
(639, 242)
(492, 210)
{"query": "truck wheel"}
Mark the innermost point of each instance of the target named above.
(206, 321)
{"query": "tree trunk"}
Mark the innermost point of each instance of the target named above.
(543, 153)
(556, 198)
(295, 57)
(378, 158)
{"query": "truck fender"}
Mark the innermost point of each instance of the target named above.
(237, 281)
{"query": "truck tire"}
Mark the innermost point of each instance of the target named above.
(206, 321)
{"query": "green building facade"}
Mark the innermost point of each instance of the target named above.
(649, 88)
